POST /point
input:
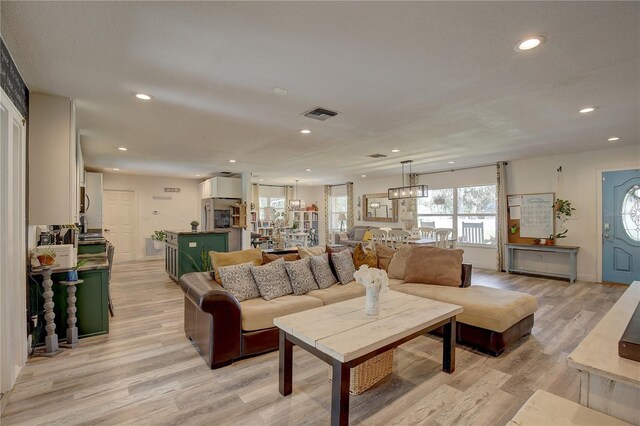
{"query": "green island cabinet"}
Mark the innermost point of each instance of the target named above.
(183, 250)
(92, 303)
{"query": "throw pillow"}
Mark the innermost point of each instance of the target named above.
(362, 256)
(322, 271)
(272, 279)
(234, 258)
(238, 280)
(358, 235)
(367, 236)
(301, 276)
(343, 263)
(310, 251)
(270, 257)
(433, 265)
(385, 254)
(398, 264)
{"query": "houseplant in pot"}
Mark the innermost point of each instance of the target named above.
(72, 275)
(194, 225)
(158, 237)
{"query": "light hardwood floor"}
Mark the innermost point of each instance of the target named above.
(146, 372)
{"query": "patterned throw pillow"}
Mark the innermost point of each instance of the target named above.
(301, 276)
(272, 279)
(343, 263)
(238, 280)
(322, 271)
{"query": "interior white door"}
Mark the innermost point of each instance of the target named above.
(119, 222)
(13, 250)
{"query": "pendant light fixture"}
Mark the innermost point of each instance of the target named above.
(296, 203)
(408, 191)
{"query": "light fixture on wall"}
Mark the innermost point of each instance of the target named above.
(342, 218)
(296, 203)
(375, 205)
(408, 191)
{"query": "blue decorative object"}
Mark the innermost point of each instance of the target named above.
(72, 275)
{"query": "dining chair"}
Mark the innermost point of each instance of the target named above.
(442, 237)
(426, 231)
(398, 238)
(379, 236)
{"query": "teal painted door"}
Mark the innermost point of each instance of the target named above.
(621, 226)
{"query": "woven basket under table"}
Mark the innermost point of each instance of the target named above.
(369, 372)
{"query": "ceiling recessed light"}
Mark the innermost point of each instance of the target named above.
(363, 175)
(232, 161)
(115, 169)
(451, 162)
(279, 91)
(613, 139)
(305, 131)
(587, 110)
(307, 170)
(529, 43)
(261, 180)
(395, 150)
(122, 148)
(144, 96)
(197, 175)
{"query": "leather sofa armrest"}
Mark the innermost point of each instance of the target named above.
(225, 312)
(466, 275)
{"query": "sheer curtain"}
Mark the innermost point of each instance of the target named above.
(350, 221)
(501, 198)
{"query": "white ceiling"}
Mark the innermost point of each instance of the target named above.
(440, 81)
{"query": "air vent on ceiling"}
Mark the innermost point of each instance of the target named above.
(376, 155)
(226, 173)
(320, 114)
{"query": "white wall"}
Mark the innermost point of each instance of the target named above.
(581, 183)
(174, 214)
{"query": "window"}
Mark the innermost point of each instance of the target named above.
(337, 205)
(469, 210)
(271, 204)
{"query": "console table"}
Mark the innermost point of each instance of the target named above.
(571, 251)
(609, 383)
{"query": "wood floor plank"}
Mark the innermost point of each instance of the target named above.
(146, 371)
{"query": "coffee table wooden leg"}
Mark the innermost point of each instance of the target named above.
(286, 364)
(340, 394)
(449, 346)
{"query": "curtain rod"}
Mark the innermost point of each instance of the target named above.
(460, 169)
(340, 184)
(273, 186)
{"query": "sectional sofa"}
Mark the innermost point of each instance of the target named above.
(223, 329)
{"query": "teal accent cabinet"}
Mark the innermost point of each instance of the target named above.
(92, 303)
(183, 250)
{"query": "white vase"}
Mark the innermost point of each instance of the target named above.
(372, 300)
(158, 245)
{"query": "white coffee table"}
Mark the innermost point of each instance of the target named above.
(344, 336)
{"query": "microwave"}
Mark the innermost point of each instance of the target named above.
(221, 218)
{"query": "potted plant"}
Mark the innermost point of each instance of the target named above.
(72, 275)
(46, 257)
(159, 237)
(563, 209)
(552, 238)
(194, 225)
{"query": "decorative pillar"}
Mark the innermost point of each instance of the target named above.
(350, 221)
(51, 339)
(327, 195)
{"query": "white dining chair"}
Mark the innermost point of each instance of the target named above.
(398, 238)
(426, 231)
(442, 237)
(379, 236)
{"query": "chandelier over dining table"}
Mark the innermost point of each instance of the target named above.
(408, 191)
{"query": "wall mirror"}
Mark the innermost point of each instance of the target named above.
(378, 208)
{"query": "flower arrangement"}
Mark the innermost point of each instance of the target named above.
(375, 281)
(372, 277)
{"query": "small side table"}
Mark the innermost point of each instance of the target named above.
(72, 330)
(51, 340)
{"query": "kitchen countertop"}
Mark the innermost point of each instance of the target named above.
(225, 231)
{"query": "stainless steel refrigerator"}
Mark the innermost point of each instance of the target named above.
(216, 216)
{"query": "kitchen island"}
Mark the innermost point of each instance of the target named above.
(184, 250)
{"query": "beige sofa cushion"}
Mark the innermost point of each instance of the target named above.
(398, 265)
(484, 307)
(311, 251)
(258, 314)
(219, 259)
(338, 293)
(434, 265)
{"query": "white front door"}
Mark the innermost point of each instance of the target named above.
(119, 222)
